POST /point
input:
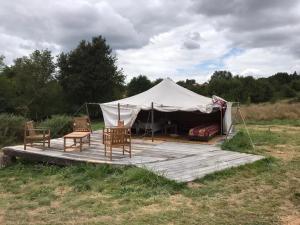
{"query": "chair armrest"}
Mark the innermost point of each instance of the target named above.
(40, 130)
(36, 129)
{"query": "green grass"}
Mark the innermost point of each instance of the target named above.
(97, 125)
(264, 192)
(240, 142)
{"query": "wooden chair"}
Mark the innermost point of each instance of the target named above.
(117, 137)
(120, 124)
(82, 124)
(36, 135)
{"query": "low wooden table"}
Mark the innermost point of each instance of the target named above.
(75, 136)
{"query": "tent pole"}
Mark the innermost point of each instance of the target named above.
(88, 114)
(119, 116)
(221, 110)
(152, 121)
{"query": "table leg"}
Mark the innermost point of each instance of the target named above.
(89, 138)
(64, 144)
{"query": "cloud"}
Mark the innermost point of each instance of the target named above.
(176, 38)
(190, 44)
(254, 23)
(165, 56)
(262, 62)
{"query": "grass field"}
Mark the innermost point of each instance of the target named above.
(284, 110)
(265, 192)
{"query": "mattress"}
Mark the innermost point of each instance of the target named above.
(204, 131)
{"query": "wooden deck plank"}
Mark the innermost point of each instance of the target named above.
(178, 161)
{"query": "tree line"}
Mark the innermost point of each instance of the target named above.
(40, 85)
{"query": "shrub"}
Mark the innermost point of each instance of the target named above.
(11, 129)
(59, 125)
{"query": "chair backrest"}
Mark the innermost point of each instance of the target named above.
(81, 124)
(118, 135)
(29, 128)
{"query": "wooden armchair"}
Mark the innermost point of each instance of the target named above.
(36, 135)
(82, 124)
(117, 137)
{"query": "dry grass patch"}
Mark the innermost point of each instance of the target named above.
(267, 111)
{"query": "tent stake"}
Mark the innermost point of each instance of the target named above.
(152, 121)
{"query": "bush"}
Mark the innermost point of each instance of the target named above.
(59, 125)
(11, 129)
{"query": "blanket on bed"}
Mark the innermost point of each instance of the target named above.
(205, 130)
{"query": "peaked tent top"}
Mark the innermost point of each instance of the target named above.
(167, 96)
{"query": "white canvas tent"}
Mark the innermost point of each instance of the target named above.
(167, 96)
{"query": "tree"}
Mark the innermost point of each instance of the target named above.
(157, 81)
(263, 91)
(2, 65)
(221, 75)
(89, 73)
(33, 81)
(7, 94)
(138, 84)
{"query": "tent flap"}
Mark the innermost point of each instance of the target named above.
(127, 114)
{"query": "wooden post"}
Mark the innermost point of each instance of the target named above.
(87, 110)
(119, 116)
(88, 115)
(152, 121)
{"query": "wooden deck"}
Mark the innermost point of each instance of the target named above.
(177, 161)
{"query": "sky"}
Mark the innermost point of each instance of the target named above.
(162, 38)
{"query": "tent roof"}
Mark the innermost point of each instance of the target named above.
(167, 96)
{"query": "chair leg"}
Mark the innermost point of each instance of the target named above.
(123, 149)
(130, 150)
(25, 143)
(49, 142)
(105, 150)
(80, 148)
